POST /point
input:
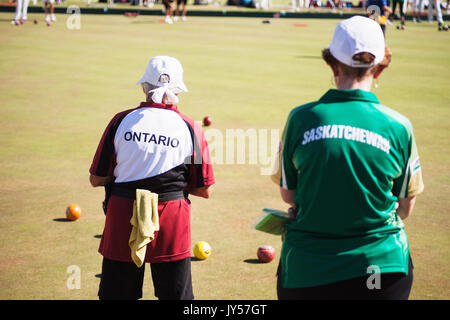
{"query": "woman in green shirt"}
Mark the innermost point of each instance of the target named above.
(350, 167)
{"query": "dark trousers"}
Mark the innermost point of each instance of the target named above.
(124, 280)
(400, 5)
(394, 286)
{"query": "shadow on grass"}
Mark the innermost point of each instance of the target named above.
(253, 261)
(62, 220)
(195, 259)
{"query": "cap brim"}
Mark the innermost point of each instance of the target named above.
(142, 80)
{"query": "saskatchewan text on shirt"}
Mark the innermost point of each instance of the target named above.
(338, 131)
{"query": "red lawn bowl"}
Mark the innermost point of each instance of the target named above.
(207, 121)
(266, 253)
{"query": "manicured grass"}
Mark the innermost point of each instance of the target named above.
(60, 87)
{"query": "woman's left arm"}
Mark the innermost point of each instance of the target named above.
(97, 181)
(405, 206)
(287, 196)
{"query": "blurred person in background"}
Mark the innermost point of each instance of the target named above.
(437, 6)
(417, 11)
(20, 16)
(49, 11)
(180, 3)
(168, 5)
(401, 15)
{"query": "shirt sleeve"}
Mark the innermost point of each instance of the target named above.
(105, 158)
(286, 173)
(411, 182)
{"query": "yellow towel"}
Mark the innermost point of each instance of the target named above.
(145, 222)
(382, 19)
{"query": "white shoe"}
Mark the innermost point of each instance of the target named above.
(183, 18)
(47, 19)
(168, 20)
(52, 16)
(175, 18)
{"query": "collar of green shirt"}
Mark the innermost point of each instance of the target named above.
(334, 95)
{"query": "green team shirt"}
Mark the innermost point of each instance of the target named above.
(348, 158)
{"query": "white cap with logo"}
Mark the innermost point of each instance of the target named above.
(166, 73)
(356, 35)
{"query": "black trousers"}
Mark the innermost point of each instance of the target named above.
(394, 286)
(124, 280)
(400, 5)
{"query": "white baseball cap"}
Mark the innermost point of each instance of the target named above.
(165, 72)
(356, 35)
